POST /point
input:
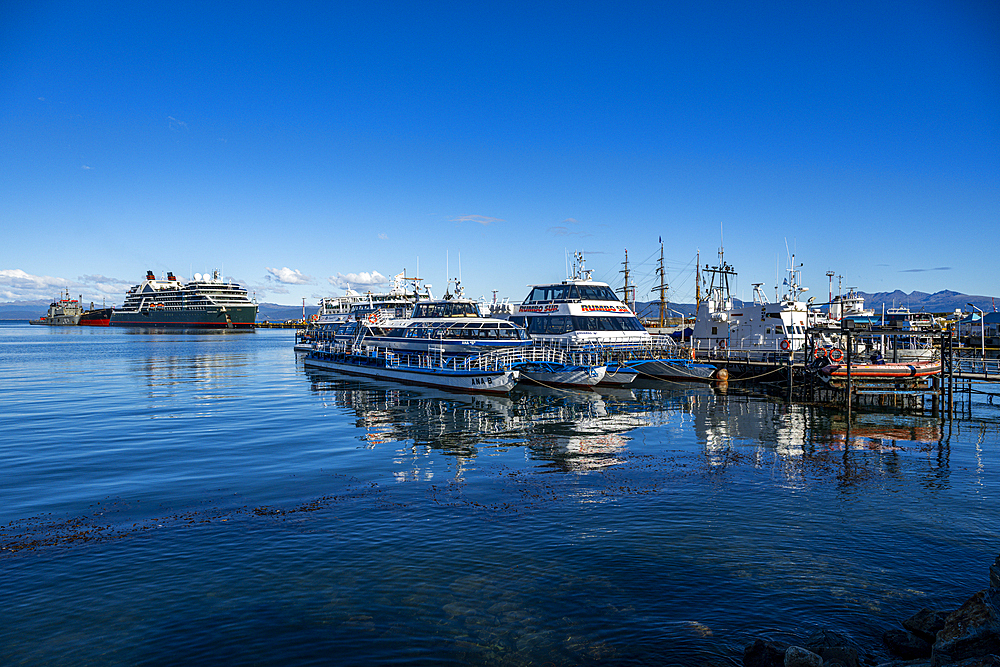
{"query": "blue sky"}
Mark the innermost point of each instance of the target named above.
(303, 147)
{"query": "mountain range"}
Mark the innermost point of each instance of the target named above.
(943, 302)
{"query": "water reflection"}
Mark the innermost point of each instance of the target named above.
(593, 430)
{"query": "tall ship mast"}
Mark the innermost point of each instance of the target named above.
(662, 287)
(628, 291)
(207, 302)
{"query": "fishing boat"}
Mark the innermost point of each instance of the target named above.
(755, 329)
(582, 316)
(63, 312)
(207, 302)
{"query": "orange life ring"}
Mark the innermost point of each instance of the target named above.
(373, 318)
(819, 353)
(722, 342)
(785, 344)
(836, 354)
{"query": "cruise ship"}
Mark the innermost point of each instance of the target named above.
(207, 302)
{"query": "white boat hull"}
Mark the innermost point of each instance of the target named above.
(618, 376)
(492, 382)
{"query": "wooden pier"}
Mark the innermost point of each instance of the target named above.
(793, 375)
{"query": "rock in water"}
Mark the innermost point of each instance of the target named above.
(796, 656)
(995, 575)
(971, 631)
(764, 654)
(833, 647)
(926, 623)
(906, 645)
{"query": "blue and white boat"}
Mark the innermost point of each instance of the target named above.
(433, 368)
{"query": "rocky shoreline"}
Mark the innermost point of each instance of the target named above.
(965, 637)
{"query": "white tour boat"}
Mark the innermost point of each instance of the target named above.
(583, 316)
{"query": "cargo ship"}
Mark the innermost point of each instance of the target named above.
(96, 317)
(64, 312)
(207, 302)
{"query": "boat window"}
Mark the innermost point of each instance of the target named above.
(518, 320)
(597, 293)
(491, 325)
(548, 293)
(778, 329)
(558, 324)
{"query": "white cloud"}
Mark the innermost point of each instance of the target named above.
(289, 276)
(21, 278)
(22, 285)
(481, 219)
(383, 236)
(18, 285)
(363, 279)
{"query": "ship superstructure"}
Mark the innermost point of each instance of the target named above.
(64, 312)
(207, 302)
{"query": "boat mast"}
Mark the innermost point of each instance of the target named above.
(662, 287)
(627, 289)
(697, 283)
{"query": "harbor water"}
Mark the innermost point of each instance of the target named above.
(173, 498)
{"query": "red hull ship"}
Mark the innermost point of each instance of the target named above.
(100, 317)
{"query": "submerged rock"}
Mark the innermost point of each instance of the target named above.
(971, 631)
(833, 647)
(995, 575)
(796, 656)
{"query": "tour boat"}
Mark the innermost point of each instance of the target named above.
(583, 316)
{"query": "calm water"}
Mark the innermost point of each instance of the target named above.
(187, 499)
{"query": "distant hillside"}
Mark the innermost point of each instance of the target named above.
(24, 310)
(275, 312)
(945, 301)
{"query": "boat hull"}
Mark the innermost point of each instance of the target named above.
(882, 371)
(232, 317)
(489, 382)
(673, 369)
(559, 375)
(618, 376)
(57, 321)
(100, 317)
